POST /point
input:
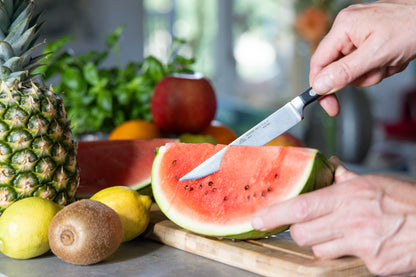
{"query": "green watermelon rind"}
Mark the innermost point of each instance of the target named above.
(319, 174)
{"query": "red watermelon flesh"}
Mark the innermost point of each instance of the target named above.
(107, 163)
(249, 179)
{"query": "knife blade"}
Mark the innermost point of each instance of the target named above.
(266, 130)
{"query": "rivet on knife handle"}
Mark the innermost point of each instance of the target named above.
(309, 96)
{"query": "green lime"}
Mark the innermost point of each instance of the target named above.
(192, 138)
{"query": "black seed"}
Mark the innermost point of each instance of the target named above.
(210, 183)
(276, 175)
(246, 187)
(174, 162)
(263, 193)
(269, 189)
(225, 198)
(186, 187)
(191, 189)
(200, 185)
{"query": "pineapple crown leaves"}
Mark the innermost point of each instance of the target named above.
(18, 33)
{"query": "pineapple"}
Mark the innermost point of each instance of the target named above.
(37, 152)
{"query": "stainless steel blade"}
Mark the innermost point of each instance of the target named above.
(271, 127)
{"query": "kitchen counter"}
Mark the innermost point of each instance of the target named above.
(139, 257)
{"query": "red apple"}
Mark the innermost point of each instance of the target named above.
(183, 103)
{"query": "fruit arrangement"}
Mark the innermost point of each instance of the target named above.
(43, 170)
(84, 232)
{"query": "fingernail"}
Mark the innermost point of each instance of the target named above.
(323, 85)
(257, 223)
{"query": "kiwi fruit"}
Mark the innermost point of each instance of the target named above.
(85, 232)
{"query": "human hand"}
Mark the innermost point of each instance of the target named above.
(372, 217)
(367, 43)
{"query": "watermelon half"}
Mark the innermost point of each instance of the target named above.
(107, 163)
(250, 178)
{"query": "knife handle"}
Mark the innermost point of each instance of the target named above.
(309, 96)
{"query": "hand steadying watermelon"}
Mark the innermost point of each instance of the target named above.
(250, 178)
(109, 163)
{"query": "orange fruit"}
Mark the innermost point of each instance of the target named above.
(286, 139)
(221, 133)
(135, 129)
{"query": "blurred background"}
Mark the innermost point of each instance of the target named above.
(256, 55)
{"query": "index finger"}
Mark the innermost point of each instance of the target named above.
(302, 208)
(333, 46)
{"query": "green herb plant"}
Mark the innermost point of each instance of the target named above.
(98, 99)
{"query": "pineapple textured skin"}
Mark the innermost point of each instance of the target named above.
(37, 152)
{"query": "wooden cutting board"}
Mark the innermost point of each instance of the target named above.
(276, 256)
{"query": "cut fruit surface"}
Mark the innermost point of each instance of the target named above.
(250, 178)
(109, 163)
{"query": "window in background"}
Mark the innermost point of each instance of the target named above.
(245, 47)
(264, 49)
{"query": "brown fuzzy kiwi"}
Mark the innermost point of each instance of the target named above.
(85, 232)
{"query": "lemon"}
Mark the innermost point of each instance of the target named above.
(133, 208)
(24, 227)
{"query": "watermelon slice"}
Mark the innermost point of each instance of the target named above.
(107, 163)
(249, 179)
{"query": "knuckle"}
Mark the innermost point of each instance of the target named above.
(378, 267)
(302, 209)
(363, 188)
(297, 234)
(344, 73)
(318, 252)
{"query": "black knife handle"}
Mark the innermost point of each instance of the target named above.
(309, 96)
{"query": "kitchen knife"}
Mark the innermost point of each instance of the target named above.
(269, 128)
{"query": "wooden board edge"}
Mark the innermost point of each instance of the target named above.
(251, 257)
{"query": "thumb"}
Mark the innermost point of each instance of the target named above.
(341, 172)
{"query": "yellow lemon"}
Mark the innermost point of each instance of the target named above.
(133, 208)
(24, 227)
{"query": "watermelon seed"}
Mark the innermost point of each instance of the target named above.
(174, 162)
(225, 198)
(186, 187)
(210, 183)
(191, 189)
(276, 176)
(269, 189)
(200, 185)
(263, 193)
(248, 197)
(214, 190)
(246, 187)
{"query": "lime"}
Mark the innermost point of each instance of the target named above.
(192, 138)
(24, 227)
(133, 208)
